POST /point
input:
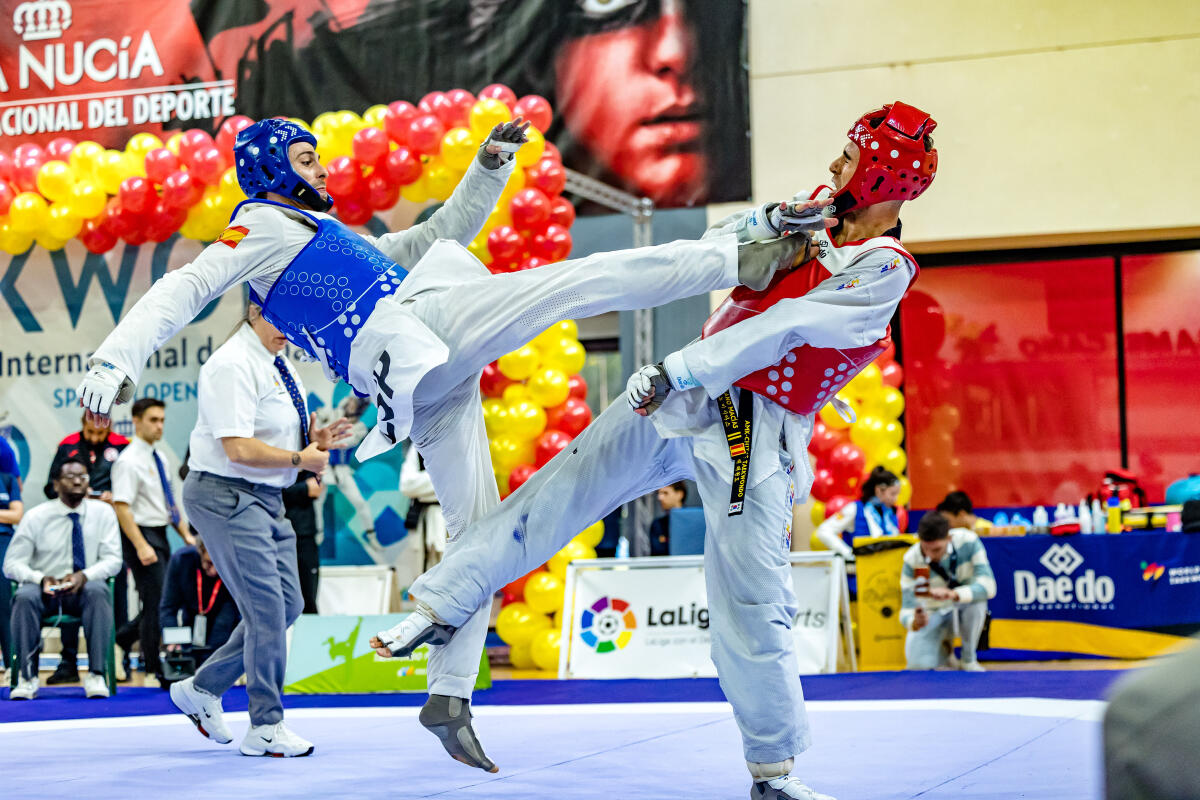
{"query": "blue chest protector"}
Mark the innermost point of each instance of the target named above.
(329, 290)
(873, 519)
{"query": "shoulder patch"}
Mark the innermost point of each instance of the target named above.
(233, 235)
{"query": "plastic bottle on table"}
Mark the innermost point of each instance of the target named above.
(1085, 517)
(1113, 520)
(1041, 520)
(1098, 516)
(622, 548)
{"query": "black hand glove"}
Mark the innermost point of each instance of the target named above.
(503, 143)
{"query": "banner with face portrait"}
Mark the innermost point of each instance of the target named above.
(651, 95)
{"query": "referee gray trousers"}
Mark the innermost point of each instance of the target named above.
(253, 547)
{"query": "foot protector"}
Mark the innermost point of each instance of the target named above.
(449, 719)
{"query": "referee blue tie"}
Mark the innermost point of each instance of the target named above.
(168, 495)
(294, 392)
(78, 559)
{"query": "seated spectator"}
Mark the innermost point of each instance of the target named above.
(957, 509)
(98, 448)
(945, 584)
(61, 555)
(11, 509)
(669, 497)
(195, 597)
(873, 515)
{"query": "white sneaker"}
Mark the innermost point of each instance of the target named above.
(94, 685)
(202, 708)
(275, 741)
(972, 666)
(785, 787)
(25, 689)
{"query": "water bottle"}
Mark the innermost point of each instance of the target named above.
(622, 547)
(1041, 520)
(1098, 517)
(1085, 517)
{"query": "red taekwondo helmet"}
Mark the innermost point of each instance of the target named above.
(895, 163)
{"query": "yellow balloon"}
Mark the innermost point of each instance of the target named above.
(544, 592)
(892, 433)
(591, 535)
(500, 216)
(574, 551)
(566, 329)
(55, 179)
(889, 403)
(486, 114)
(415, 192)
(87, 199)
(495, 412)
(521, 656)
(321, 123)
(905, 491)
(515, 393)
(531, 152)
(549, 387)
(832, 418)
(556, 620)
(566, 356)
(516, 182)
(814, 542)
(507, 452)
(520, 364)
(893, 459)
(141, 144)
(866, 383)
(173, 142)
(517, 623)
(231, 190)
(48, 242)
(84, 158)
(544, 646)
(28, 213)
(12, 241)
(110, 171)
(375, 115)
(440, 179)
(866, 432)
(817, 515)
(526, 420)
(459, 147)
(62, 222)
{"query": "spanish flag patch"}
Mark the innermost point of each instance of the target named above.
(232, 235)
(737, 450)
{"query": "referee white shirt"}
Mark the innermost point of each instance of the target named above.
(135, 481)
(241, 395)
(42, 544)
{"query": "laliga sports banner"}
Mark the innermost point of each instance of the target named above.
(1129, 596)
(648, 617)
(651, 95)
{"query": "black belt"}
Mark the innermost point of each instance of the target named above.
(737, 426)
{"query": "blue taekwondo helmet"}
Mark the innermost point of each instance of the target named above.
(261, 157)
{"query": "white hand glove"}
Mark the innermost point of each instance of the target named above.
(104, 386)
(772, 220)
(647, 388)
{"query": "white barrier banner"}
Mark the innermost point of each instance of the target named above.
(648, 617)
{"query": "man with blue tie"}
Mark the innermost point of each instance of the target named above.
(62, 554)
(144, 499)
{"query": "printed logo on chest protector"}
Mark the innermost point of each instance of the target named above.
(891, 265)
(850, 284)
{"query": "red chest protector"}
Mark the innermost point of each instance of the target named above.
(807, 377)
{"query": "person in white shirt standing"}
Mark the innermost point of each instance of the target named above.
(61, 555)
(253, 434)
(145, 499)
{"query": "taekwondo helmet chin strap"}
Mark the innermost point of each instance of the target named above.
(894, 162)
(260, 155)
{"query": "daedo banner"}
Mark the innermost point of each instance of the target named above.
(650, 95)
(648, 617)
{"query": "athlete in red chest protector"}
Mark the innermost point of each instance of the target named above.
(734, 411)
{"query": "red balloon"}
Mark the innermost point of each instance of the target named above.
(28, 150)
(163, 221)
(344, 177)
(181, 190)
(824, 440)
(577, 388)
(401, 166)
(353, 210)
(205, 165)
(25, 172)
(425, 134)
(517, 587)
(60, 148)
(192, 142)
(397, 119)
(530, 209)
(847, 462)
(549, 444)
(161, 163)
(519, 474)
(893, 374)
(836, 504)
(549, 176)
(6, 197)
(499, 91)
(552, 243)
(570, 417)
(96, 237)
(431, 102)
(381, 195)
(370, 145)
(924, 327)
(137, 195)
(536, 109)
(505, 243)
(136, 236)
(552, 152)
(227, 135)
(461, 101)
(499, 265)
(561, 211)
(824, 485)
(6, 166)
(533, 262)
(492, 381)
(902, 518)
